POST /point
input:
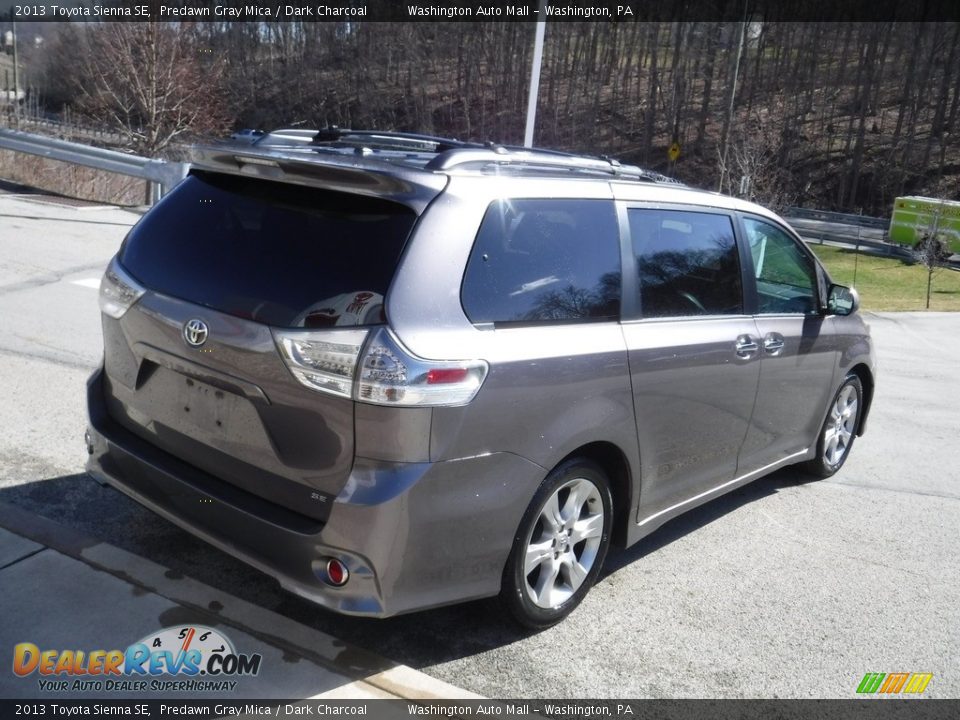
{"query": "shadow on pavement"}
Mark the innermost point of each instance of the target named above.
(419, 640)
(699, 517)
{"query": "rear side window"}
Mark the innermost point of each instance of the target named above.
(538, 261)
(279, 254)
(687, 263)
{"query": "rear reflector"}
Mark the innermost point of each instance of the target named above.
(439, 376)
(337, 573)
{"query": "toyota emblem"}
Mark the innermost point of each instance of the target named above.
(195, 332)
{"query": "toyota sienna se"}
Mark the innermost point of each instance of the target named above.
(396, 372)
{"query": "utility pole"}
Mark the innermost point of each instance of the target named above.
(856, 252)
(16, 74)
(725, 139)
(535, 80)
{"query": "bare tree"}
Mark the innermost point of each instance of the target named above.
(150, 83)
(855, 112)
(932, 249)
(753, 168)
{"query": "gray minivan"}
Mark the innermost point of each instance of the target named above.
(396, 371)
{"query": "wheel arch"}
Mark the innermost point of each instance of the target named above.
(613, 462)
(866, 380)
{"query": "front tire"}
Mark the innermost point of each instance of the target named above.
(839, 429)
(560, 546)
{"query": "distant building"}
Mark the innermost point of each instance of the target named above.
(7, 96)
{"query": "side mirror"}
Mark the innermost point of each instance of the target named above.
(842, 300)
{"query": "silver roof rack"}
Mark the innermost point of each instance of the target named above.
(439, 154)
(535, 161)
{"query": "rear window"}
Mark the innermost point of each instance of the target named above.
(279, 254)
(537, 261)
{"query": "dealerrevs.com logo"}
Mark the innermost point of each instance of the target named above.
(201, 658)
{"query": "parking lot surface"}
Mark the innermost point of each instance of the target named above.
(784, 588)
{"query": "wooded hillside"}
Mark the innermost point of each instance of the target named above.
(841, 116)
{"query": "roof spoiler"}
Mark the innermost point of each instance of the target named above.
(355, 174)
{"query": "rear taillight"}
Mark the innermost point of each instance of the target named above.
(324, 361)
(379, 371)
(118, 291)
(389, 375)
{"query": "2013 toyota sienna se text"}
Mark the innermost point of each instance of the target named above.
(396, 371)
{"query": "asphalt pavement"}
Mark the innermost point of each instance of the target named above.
(784, 588)
(65, 591)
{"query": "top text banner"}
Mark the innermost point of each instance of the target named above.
(354, 11)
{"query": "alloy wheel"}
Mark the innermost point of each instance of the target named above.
(840, 427)
(563, 543)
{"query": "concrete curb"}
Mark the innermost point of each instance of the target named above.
(376, 677)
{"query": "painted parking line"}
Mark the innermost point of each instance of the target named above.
(87, 282)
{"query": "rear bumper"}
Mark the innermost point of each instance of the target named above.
(413, 535)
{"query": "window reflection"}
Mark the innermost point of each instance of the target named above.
(687, 263)
(544, 261)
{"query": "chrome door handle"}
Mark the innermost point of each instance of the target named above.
(746, 346)
(773, 343)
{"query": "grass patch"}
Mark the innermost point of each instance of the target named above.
(887, 284)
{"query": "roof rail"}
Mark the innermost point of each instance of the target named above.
(433, 153)
(542, 161)
(389, 140)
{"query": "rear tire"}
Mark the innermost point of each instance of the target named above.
(560, 546)
(839, 429)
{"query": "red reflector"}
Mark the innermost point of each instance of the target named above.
(337, 572)
(440, 376)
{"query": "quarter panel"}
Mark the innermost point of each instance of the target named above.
(549, 391)
(392, 433)
(443, 539)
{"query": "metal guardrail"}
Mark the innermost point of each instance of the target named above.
(836, 217)
(161, 174)
(862, 245)
(868, 234)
